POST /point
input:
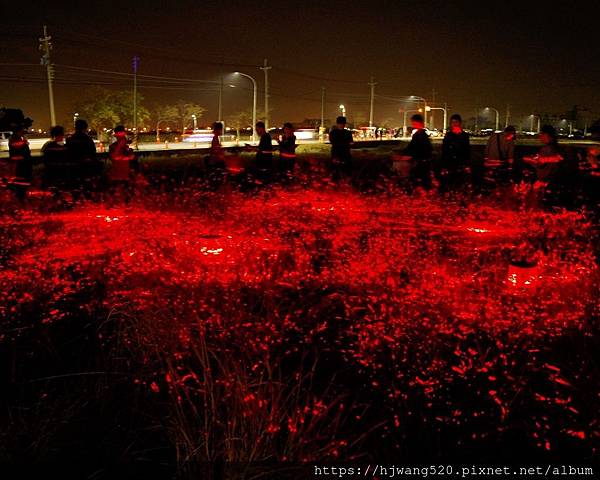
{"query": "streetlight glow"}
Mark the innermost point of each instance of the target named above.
(532, 117)
(417, 98)
(497, 116)
(253, 102)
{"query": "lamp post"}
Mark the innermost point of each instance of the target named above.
(372, 85)
(445, 110)
(322, 126)
(265, 68)
(415, 97)
(253, 103)
(404, 127)
(194, 120)
(532, 117)
(75, 116)
(343, 110)
(569, 124)
(487, 109)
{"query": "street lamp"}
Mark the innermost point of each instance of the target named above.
(253, 103)
(415, 97)
(75, 116)
(343, 110)
(194, 120)
(404, 126)
(445, 110)
(532, 117)
(569, 124)
(487, 109)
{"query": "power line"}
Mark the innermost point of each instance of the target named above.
(155, 55)
(21, 65)
(127, 74)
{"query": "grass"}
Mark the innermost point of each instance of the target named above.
(207, 334)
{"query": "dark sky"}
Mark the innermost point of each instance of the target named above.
(537, 57)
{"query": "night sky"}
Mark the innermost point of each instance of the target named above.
(537, 57)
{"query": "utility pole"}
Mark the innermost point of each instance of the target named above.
(254, 95)
(431, 118)
(265, 68)
(220, 115)
(45, 47)
(322, 126)
(372, 85)
(135, 63)
(507, 116)
(445, 118)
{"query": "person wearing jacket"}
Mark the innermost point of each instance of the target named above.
(20, 160)
(287, 152)
(341, 142)
(121, 156)
(419, 152)
(456, 156)
(58, 167)
(499, 156)
(82, 150)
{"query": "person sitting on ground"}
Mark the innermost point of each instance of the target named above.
(341, 142)
(55, 157)
(500, 154)
(419, 151)
(456, 156)
(287, 151)
(121, 155)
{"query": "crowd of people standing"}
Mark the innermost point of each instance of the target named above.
(557, 178)
(71, 163)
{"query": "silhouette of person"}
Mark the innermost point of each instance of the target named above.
(19, 155)
(341, 142)
(287, 152)
(215, 161)
(82, 150)
(58, 168)
(264, 154)
(555, 173)
(121, 156)
(420, 152)
(456, 156)
(499, 156)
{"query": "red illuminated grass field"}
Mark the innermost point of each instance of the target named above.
(300, 325)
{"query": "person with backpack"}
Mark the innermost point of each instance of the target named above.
(499, 156)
